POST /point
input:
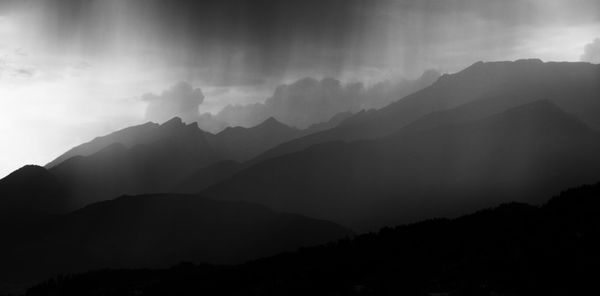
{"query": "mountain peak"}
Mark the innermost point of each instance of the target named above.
(173, 122)
(269, 124)
(28, 171)
(271, 121)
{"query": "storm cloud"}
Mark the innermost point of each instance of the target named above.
(240, 51)
(592, 52)
(309, 101)
(179, 100)
(252, 42)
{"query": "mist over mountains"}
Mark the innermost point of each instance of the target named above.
(300, 104)
(155, 194)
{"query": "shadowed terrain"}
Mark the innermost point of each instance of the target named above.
(154, 231)
(513, 249)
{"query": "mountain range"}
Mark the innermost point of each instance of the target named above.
(154, 194)
(153, 231)
(522, 154)
(573, 87)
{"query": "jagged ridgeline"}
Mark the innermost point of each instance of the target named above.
(155, 194)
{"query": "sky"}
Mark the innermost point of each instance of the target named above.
(71, 70)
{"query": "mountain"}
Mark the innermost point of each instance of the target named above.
(512, 249)
(156, 231)
(219, 171)
(155, 158)
(572, 86)
(331, 123)
(208, 176)
(522, 154)
(135, 135)
(31, 191)
(241, 144)
(235, 143)
(143, 168)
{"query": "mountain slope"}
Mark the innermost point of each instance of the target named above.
(219, 171)
(146, 168)
(241, 144)
(522, 154)
(31, 191)
(176, 153)
(234, 143)
(513, 249)
(135, 135)
(572, 86)
(156, 231)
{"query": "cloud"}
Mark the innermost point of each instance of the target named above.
(309, 101)
(248, 42)
(14, 69)
(592, 52)
(180, 100)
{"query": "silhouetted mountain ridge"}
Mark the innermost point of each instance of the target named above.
(159, 158)
(241, 144)
(155, 231)
(129, 137)
(31, 191)
(512, 249)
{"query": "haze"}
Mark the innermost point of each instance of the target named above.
(71, 70)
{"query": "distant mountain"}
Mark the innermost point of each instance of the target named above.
(235, 143)
(143, 168)
(219, 171)
(522, 154)
(148, 158)
(153, 158)
(241, 144)
(155, 231)
(178, 157)
(513, 249)
(572, 86)
(331, 123)
(135, 135)
(472, 94)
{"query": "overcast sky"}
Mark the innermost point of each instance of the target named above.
(74, 69)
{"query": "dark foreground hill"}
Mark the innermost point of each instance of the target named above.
(513, 249)
(31, 191)
(428, 169)
(154, 231)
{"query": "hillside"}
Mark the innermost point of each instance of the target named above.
(513, 249)
(522, 154)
